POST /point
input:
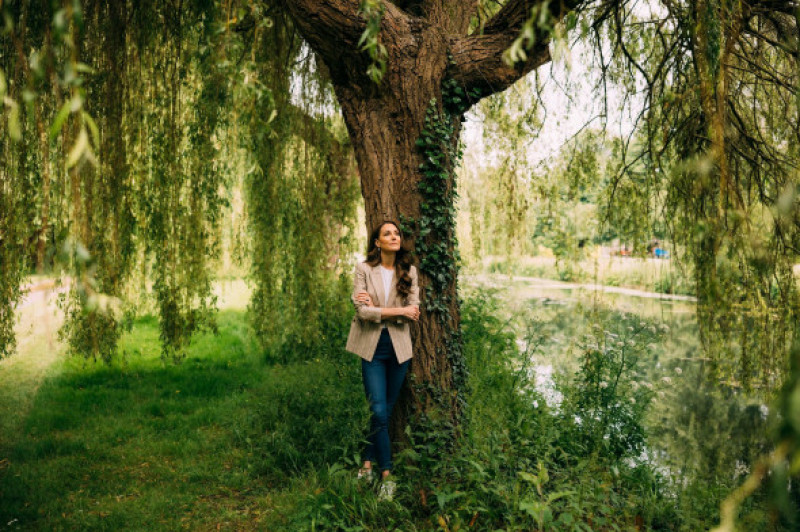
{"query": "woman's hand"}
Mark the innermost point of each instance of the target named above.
(411, 312)
(363, 297)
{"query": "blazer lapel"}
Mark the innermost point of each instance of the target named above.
(377, 282)
(393, 291)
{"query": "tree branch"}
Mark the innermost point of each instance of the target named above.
(479, 58)
(313, 130)
(479, 63)
(456, 10)
(331, 27)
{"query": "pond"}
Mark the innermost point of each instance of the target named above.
(700, 433)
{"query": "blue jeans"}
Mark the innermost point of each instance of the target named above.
(383, 378)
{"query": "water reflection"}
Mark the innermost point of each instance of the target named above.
(702, 435)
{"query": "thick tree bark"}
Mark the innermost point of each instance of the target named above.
(384, 127)
(427, 42)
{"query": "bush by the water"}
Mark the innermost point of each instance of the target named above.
(517, 463)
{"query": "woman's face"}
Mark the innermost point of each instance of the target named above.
(389, 238)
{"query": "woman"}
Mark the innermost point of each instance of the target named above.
(386, 297)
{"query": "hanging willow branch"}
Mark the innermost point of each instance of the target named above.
(720, 144)
(112, 132)
(302, 194)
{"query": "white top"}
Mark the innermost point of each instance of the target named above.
(387, 275)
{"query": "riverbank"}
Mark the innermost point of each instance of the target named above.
(231, 439)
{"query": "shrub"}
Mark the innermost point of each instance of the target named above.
(517, 463)
(307, 415)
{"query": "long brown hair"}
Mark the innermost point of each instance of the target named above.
(402, 260)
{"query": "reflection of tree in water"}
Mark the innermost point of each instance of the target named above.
(711, 431)
(708, 435)
(702, 435)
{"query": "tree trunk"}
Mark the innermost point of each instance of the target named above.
(427, 43)
(384, 123)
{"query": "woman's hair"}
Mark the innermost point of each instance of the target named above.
(402, 261)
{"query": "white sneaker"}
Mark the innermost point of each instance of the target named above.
(386, 491)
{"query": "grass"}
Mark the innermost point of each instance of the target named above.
(230, 439)
(140, 444)
(21, 376)
(223, 440)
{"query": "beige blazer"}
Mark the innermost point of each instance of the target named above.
(365, 331)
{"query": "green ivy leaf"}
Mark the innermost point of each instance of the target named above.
(93, 128)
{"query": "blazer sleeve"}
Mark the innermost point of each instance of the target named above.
(413, 294)
(363, 311)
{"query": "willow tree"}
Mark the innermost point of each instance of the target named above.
(717, 149)
(434, 59)
(121, 138)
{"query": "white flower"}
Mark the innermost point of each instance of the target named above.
(633, 400)
(535, 404)
(664, 328)
(635, 385)
(666, 380)
(661, 395)
(603, 384)
(646, 385)
(678, 370)
(630, 329)
(741, 469)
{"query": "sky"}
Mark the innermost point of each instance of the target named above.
(571, 99)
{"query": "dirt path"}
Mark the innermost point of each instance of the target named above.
(38, 321)
(38, 347)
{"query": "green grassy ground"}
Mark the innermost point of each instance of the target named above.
(221, 441)
(229, 439)
(140, 444)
